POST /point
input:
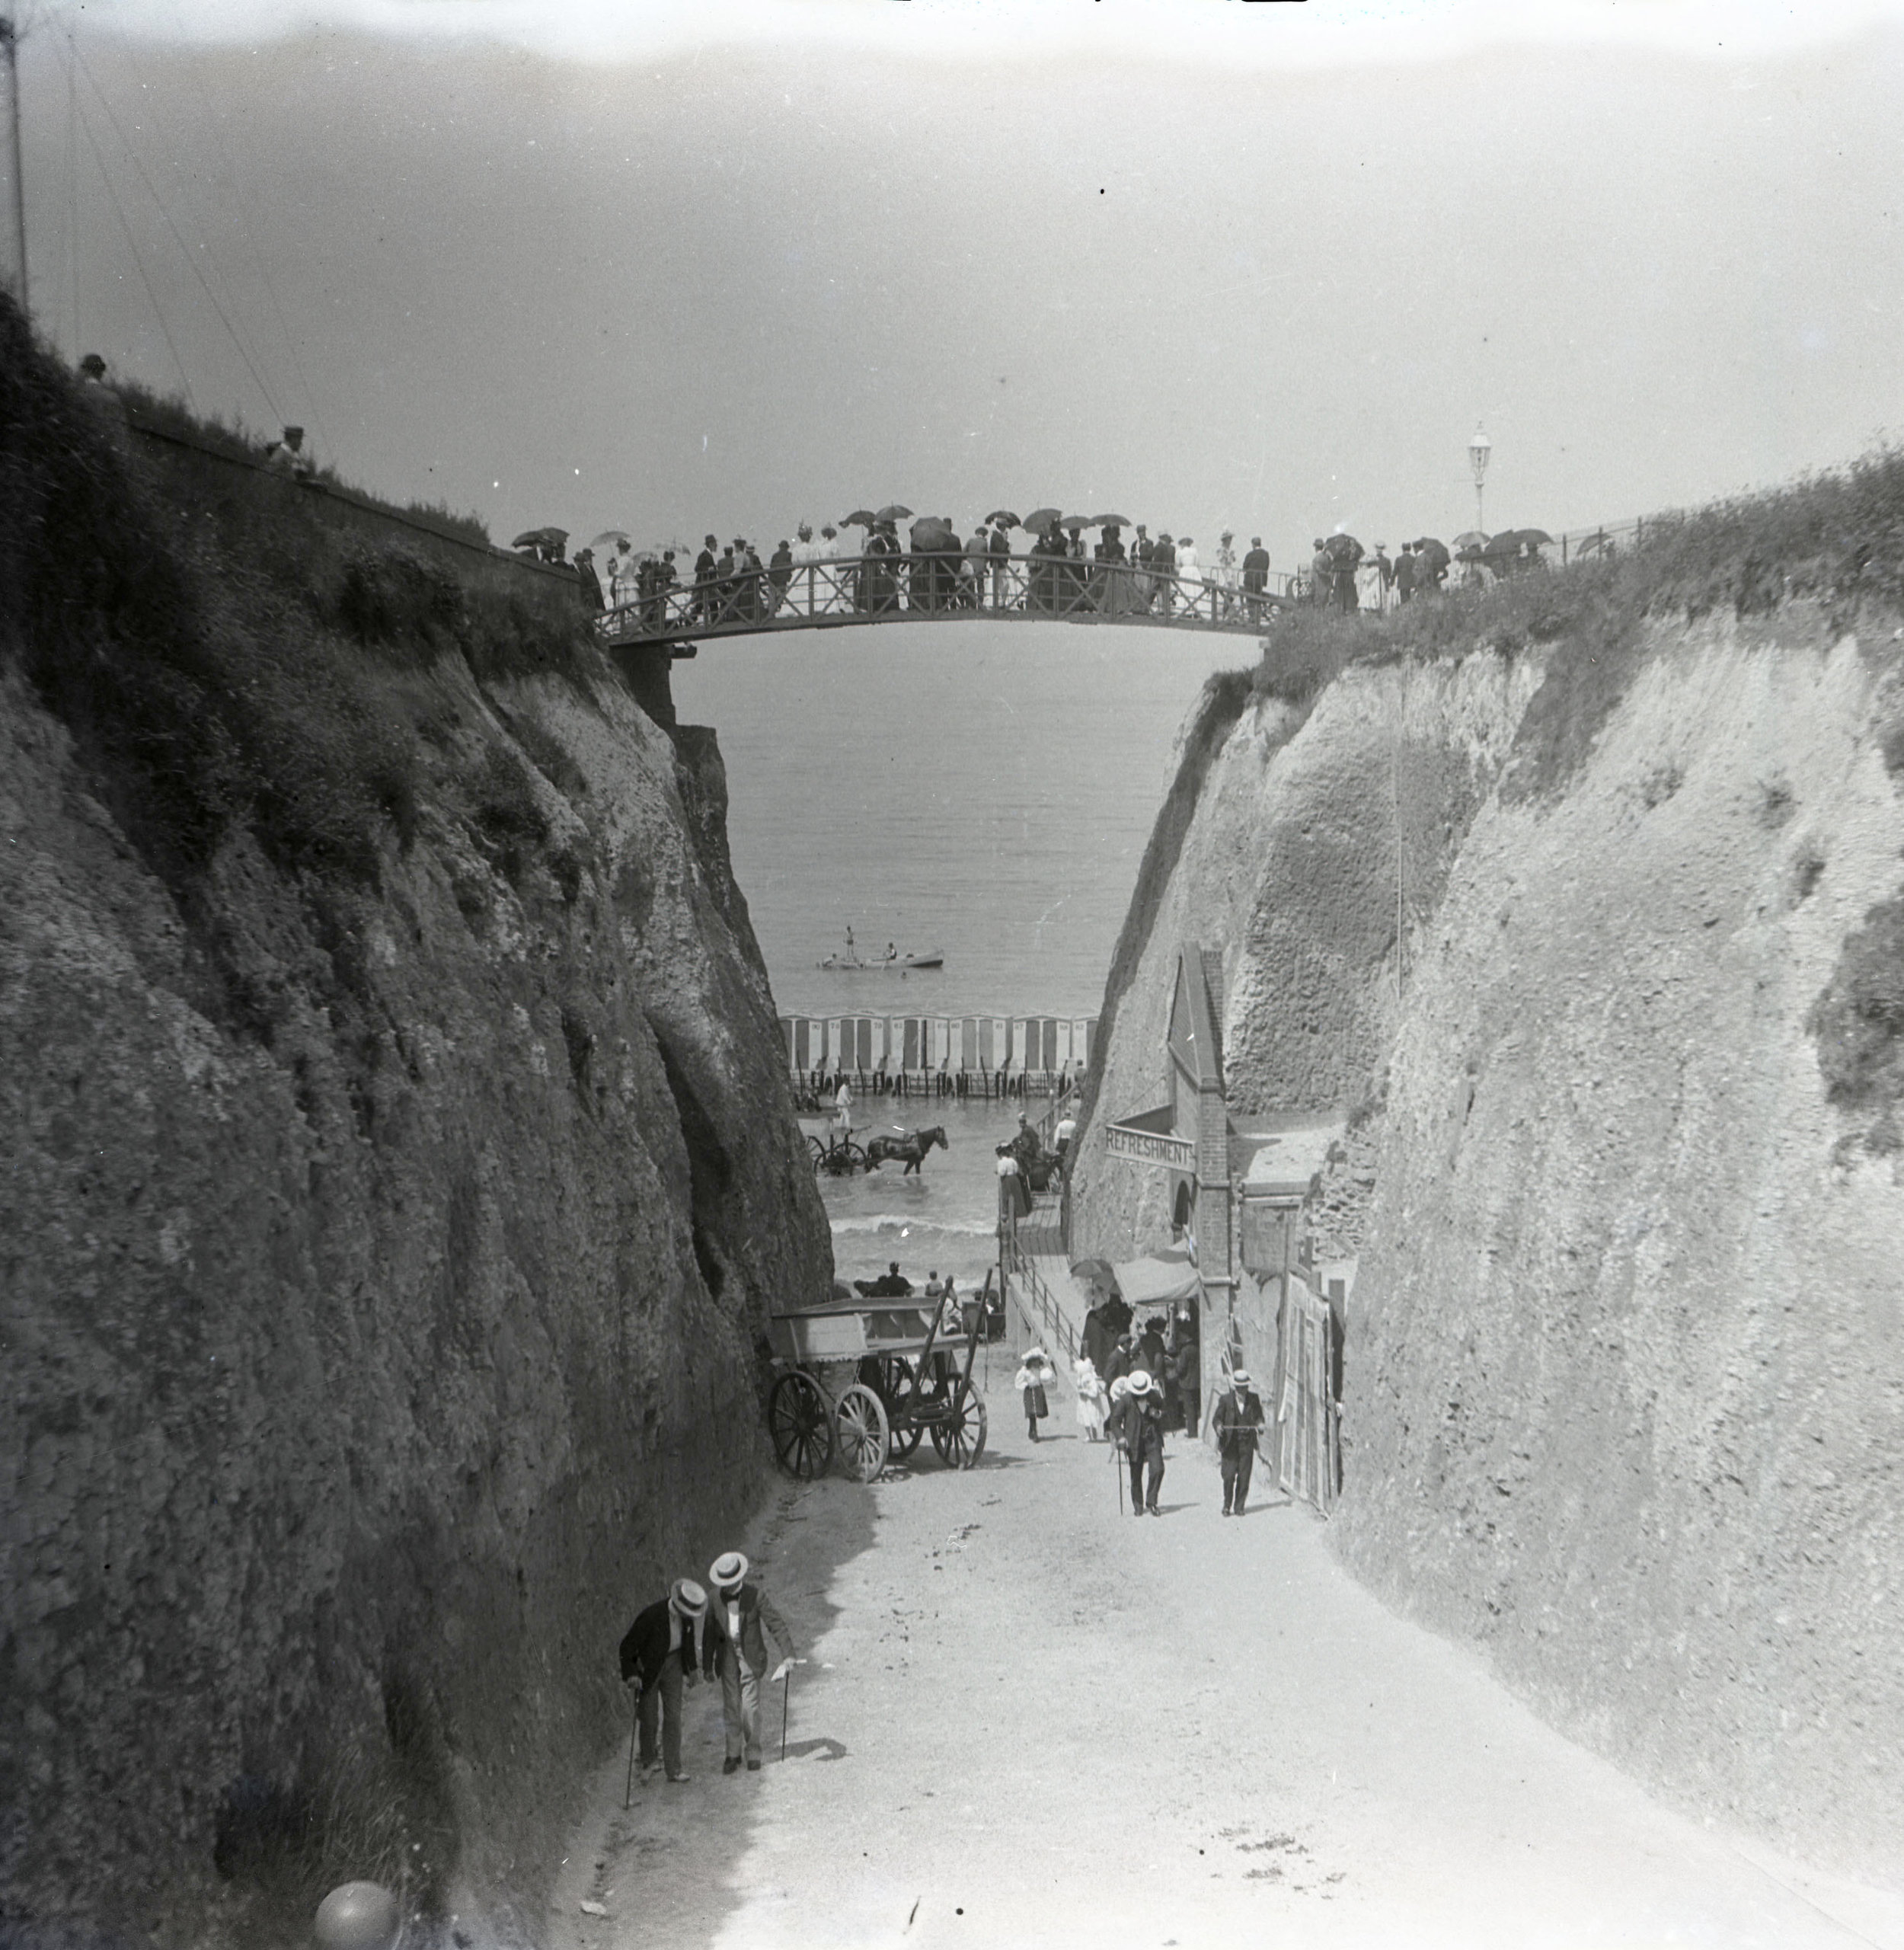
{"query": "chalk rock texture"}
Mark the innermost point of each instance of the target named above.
(1624, 1398)
(383, 1291)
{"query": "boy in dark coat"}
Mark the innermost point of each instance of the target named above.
(669, 1644)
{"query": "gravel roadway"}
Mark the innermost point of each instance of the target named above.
(1029, 1720)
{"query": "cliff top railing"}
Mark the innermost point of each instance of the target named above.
(842, 591)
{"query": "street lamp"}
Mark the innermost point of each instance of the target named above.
(1479, 448)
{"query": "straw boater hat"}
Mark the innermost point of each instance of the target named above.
(728, 1573)
(1120, 1388)
(687, 1598)
(1241, 1377)
(1139, 1382)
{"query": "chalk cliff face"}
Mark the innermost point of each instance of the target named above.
(1624, 1398)
(385, 1257)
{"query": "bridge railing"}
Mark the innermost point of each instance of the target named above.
(869, 588)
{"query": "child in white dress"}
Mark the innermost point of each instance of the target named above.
(1092, 1410)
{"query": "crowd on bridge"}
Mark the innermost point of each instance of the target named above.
(936, 571)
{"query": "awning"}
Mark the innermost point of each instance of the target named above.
(1159, 1280)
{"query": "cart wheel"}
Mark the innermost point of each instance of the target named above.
(855, 1157)
(799, 1426)
(859, 1430)
(899, 1393)
(816, 1150)
(959, 1439)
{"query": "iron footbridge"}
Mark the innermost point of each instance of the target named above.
(844, 592)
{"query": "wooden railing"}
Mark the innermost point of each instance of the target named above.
(843, 591)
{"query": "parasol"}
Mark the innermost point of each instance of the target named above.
(894, 511)
(608, 538)
(1109, 521)
(540, 537)
(1098, 1273)
(1470, 538)
(859, 518)
(1005, 515)
(1041, 518)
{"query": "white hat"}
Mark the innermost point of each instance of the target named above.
(687, 1598)
(1035, 1354)
(1120, 1388)
(1139, 1382)
(1240, 1377)
(727, 1573)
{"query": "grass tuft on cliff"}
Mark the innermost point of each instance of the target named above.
(224, 650)
(1836, 538)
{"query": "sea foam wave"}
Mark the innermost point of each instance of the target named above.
(894, 1221)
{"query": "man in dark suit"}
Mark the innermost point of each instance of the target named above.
(745, 1623)
(668, 1644)
(1256, 577)
(1239, 1421)
(1137, 1422)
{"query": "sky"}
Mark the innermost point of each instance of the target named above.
(677, 267)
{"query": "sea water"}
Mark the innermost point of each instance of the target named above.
(982, 789)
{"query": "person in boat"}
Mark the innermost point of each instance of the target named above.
(892, 952)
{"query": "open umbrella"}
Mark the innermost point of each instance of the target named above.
(1471, 538)
(1593, 544)
(1074, 523)
(1429, 542)
(1110, 521)
(1538, 537)
(1041, 518)
(607, 539)
(894, 511)
(859, 518)
(1098, 1273)
(1005, 515)
(540, 537)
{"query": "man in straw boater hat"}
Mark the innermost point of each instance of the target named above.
(671, 1643)
(1138, 1422)
(1239, 1421)
(744, 1622)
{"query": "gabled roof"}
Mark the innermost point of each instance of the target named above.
(1192, 1041)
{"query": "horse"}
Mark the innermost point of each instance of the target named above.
(912, 1147)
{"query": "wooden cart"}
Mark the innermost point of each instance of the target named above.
(868, 1379)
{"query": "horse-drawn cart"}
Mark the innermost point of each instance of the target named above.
(897, 1383)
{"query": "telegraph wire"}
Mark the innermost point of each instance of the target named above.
(158, 310)
(185, 249)
(235, 179)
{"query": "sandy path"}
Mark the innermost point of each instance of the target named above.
(1029, 1720)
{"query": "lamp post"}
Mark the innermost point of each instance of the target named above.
(1479, 448)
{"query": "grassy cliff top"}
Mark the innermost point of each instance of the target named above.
(227, 647)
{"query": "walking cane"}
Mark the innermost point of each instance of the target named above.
(627, 1793)
(1117, 1469)
(786, 1692)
